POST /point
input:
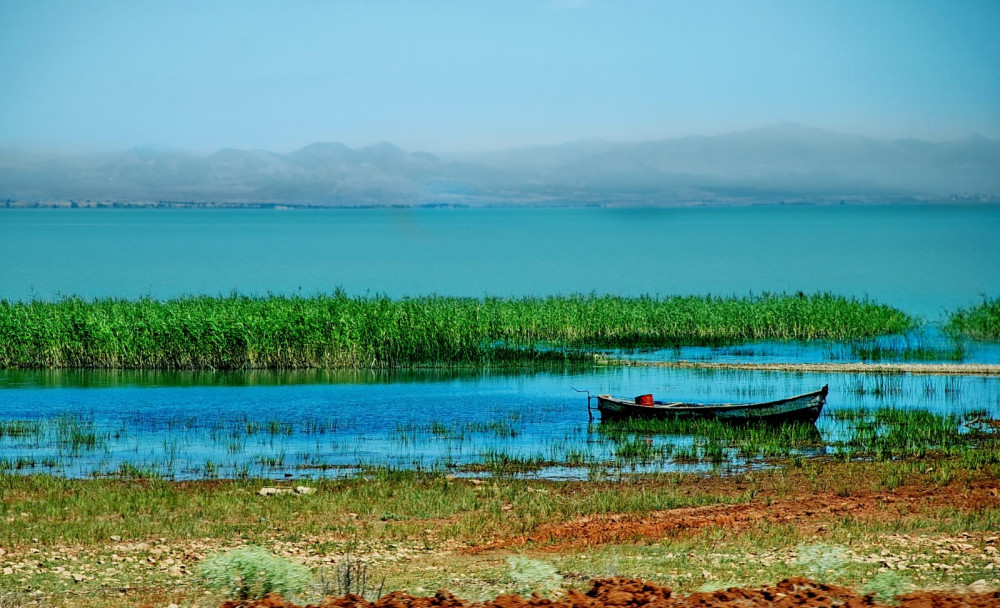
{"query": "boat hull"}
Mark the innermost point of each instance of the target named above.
(801, 408)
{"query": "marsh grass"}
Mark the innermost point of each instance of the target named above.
(981, 322)
(880, 351)
(503, 464)
(891, 433)
(339, 331)
(502, 447)
(647, 441)
(20, 428)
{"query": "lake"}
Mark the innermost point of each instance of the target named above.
(923, 259)
(330, 423)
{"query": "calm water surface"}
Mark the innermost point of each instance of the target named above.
(330, 423)
(924, 259)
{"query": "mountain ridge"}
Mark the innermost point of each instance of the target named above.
(785, 161)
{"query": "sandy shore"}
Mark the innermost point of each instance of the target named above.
(942, 369)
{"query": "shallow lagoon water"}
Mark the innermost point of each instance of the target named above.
(312, 424)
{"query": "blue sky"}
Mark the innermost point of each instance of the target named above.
(453, 76)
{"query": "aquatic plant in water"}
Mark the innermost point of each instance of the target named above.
(981, 322)
(340, 331)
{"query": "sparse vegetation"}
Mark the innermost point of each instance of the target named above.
(529, 576)
(253, 572)
(931, 520)
(350, 576)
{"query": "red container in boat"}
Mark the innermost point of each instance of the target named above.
(644, 400)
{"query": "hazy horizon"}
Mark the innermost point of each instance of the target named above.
(459, 78)
(473, 152)
(777, 163)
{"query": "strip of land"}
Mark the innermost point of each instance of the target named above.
(937, 369)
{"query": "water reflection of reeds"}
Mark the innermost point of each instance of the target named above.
(494, 424)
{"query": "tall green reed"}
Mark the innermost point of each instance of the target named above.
(981, 321)
(341, 331)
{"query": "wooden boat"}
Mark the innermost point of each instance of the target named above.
(800, 408)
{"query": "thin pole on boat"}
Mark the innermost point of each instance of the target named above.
(590, 412)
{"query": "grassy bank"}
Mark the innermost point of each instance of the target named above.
(981, 322)
(920, 522)
(338, 331)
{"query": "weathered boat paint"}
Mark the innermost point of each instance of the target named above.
(800, 408)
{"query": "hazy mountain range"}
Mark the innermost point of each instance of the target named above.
(782, 162)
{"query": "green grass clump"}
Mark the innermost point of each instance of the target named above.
(981, 322)
(530, 576)
(339, 331)
(253, 572)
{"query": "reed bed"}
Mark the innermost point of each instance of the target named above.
(981, 322)
(376, 332)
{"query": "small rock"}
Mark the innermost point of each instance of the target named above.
(8, 570)
(79, 578)
(116, 538)
(304, 490)
(269, 491)
(475, 482)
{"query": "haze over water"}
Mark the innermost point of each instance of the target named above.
(923, 259)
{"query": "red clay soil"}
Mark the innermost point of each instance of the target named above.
(807, 509)
(630, 593)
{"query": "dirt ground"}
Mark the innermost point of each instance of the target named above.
(620, 592)
(802, 511)
(955, 562)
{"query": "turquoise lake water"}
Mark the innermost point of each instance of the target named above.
(923, 259)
